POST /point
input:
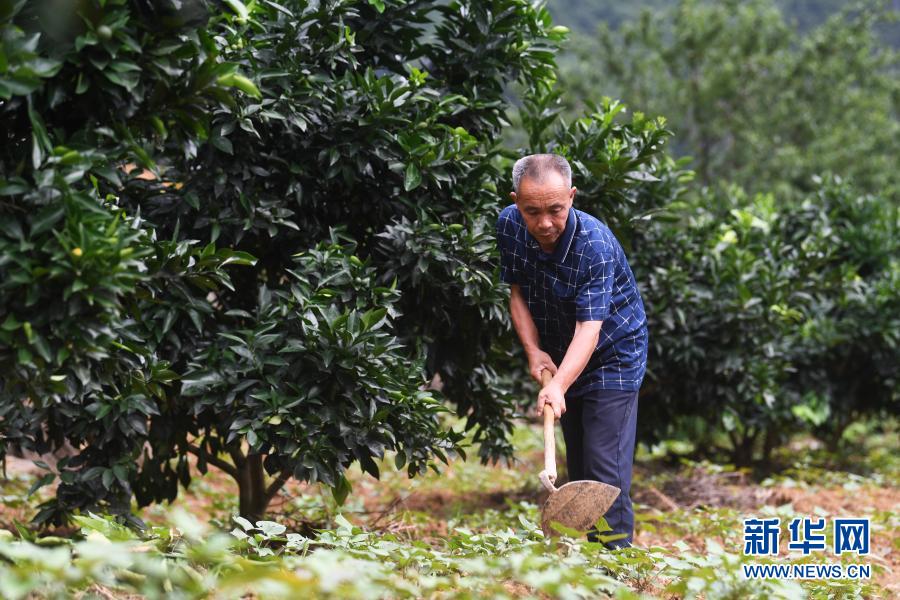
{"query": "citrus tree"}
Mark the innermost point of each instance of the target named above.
(769, 318)
(251, 234)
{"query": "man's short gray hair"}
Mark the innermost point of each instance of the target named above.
(536, 167)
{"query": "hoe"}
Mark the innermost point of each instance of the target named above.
(578, 504)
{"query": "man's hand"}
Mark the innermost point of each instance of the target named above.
(537, 362)
(553, 395)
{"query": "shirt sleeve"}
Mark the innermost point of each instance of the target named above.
(509, 271)
(594, 294)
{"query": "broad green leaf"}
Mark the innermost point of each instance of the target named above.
(341, 490)
(412, 178)
(239, 8)
(240, 82)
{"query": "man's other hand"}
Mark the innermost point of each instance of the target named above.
(537, 362)
(553, 395)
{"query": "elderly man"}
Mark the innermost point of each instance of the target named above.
(576, 308)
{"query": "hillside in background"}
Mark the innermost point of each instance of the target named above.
(584, 16)
(748, 87)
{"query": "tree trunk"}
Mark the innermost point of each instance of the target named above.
(742, 450)
(252, 488)
(770, 442)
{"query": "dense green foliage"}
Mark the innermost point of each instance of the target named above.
(770, 318)
(620, 166)
(307, 224)
(265, 558)
(753, 102)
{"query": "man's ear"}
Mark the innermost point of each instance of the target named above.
(572, 193)
(512, 196)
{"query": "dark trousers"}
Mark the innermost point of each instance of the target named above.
(599, 429)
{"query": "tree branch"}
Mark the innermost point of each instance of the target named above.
(214, 461)
(276, 485)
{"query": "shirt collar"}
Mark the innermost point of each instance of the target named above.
(562, 246)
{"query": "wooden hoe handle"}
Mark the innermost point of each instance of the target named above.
(548, 475)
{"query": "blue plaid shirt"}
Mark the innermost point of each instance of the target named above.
(586, 278)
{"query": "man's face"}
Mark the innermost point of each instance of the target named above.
(544, 207)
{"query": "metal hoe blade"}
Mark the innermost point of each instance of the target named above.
(577, 505)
